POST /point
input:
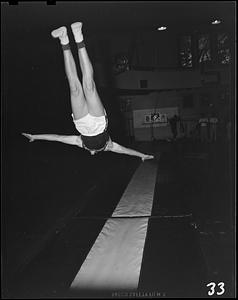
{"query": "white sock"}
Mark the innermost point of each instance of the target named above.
(77, 31)
(61, 33)
(64, 40)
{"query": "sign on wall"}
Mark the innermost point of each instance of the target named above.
(144, 118)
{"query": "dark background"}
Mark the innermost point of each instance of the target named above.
(40, 180)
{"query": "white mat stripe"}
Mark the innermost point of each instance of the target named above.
(137, 199)
(114, 262)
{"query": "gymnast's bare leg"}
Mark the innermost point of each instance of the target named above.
(78, 102)
(94, 104)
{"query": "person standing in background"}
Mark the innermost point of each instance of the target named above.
(213, 128)
(173, 125)
(203, 123)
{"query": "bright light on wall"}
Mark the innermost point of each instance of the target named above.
(216, 22)
(161, 28)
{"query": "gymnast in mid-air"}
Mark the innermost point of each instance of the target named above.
(88, 112)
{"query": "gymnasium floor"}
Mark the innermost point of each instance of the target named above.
(59, 198)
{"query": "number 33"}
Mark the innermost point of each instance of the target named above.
(212, 286)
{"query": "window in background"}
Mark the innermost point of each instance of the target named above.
(185, 51)
(143, 84)
(205, 100)
(223, 48)
(204, 48)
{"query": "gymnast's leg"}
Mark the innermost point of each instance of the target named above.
(94, 104)
(78, 103)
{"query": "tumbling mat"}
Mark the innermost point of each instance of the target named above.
(114, 261)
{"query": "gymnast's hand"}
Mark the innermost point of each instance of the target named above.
(146, 157)
(29, 136)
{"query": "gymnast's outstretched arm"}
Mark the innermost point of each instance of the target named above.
(67, 139)
(114, 147)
